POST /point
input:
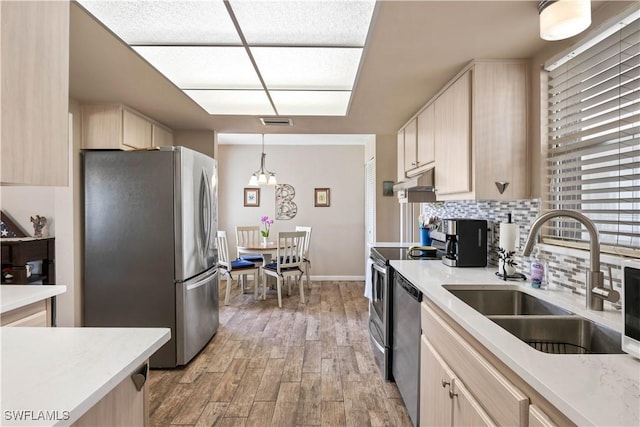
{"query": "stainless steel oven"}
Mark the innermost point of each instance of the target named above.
(379, 312)
(381, 304)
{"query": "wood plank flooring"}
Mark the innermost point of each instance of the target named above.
(303, 365)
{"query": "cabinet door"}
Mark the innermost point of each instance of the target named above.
(500, 130)
(435, 380)
(101, 127)
(537, 418)
(466, 410)
(426, 137)
(453, 138)
(400, 162)
(35, 92)
(410, 141)
(161, 137)
(136, 131)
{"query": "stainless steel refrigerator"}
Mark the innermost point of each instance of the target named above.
(150, 220)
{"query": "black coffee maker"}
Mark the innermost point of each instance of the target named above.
(465, 242)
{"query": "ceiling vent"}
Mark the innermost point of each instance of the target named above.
(276, 121)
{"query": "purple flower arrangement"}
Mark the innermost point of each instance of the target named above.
(266, 223)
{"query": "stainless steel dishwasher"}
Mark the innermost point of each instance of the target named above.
(405, 361)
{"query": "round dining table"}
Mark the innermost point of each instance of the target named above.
(267, 250)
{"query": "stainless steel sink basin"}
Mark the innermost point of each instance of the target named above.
(562, 335)
(505, 302)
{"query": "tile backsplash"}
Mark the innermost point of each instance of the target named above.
(564, 268)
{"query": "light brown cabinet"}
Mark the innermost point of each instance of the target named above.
(37, 314)
(481, 133)
(125, 405)
(416, 146)
(488, 385)
(453, 138)
(35, 92)
(474, 133)
(401, 177)
(121, 128)
(444, 400)
(161, 137)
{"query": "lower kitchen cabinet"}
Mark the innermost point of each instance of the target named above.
(37, 314)
(483, 390)
(125, 405)
(537, 418)
(444, 400)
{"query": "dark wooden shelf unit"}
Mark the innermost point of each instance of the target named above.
(16, 254)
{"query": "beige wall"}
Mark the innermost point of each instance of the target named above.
(387, 208)
(338, 241)
(198, 140)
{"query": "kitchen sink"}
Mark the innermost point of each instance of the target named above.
(562, 334)
(505, 302)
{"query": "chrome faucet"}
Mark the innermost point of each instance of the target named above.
(596, 293)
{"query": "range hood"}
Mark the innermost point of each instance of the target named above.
(418, 189)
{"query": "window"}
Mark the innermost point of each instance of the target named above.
(593, 141)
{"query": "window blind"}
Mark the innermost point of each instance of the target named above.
(593, 149)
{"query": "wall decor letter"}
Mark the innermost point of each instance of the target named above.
(285, 207)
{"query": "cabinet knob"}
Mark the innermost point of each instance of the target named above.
(445, 383)
(140, 377)
(452, 394)
(413, 163)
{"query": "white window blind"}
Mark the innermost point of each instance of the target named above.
(593, 152)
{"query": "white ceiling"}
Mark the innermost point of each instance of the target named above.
(413, 48)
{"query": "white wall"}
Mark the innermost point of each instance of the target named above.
(338, 241)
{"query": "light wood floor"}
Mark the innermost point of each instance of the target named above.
(302, 365)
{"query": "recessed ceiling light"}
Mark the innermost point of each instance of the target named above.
(249, 57)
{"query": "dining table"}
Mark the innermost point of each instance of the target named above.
(266, 249)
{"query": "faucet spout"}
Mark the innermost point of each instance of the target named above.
(595, 278)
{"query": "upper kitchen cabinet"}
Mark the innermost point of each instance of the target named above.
(481, 133)
(416, 151)
(453, 138)
(121, 128)
(35, 92)
(400, 168)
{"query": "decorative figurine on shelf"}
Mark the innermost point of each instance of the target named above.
(39, 226)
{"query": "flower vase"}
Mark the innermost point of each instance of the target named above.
(264, 241)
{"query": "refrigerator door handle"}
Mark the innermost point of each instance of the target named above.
(202, 281)
(205, 213)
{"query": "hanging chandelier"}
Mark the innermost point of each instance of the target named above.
(262, 176)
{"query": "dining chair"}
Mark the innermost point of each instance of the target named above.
(246, 235)
(242, 267)
(305, 256)
(288, 263)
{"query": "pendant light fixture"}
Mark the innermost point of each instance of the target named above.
(561, 19)
(262, 176)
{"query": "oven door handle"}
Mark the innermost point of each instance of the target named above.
(372, 326)
(381, 270)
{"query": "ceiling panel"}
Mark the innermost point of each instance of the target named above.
(311, 103)
(226, 102)
(203, 67)
(330, 23)
(166, 22)
(308, 68)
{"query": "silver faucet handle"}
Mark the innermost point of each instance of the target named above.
(610, 294)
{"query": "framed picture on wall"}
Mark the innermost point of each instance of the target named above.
(252, 197)
(321, 197)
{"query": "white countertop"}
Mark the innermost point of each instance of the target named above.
(589, 389)
(68, 369)
(16, 296)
